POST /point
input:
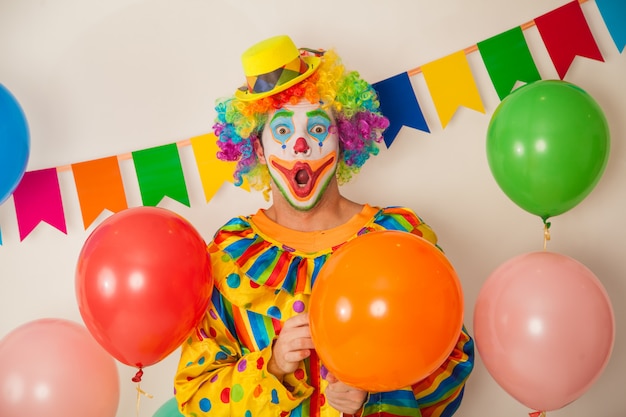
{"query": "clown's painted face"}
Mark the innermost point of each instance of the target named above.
(301, 149)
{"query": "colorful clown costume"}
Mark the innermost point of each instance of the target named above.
(263, 275)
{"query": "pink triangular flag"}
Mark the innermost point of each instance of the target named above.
(37, 198)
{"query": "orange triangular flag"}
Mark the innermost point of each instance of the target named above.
(99, 186)
(451, 85)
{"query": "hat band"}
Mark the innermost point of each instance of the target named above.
(267, 82)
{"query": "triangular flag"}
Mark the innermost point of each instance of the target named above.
(452, 85)
(508, 60)
(160, 174)
(99, 186)
(566, 34)
(213, 172)
(399, 104)
(614, 15)
(37, 198)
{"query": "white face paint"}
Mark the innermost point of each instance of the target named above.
(301, 149)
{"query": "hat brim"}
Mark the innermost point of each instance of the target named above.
(312, 61)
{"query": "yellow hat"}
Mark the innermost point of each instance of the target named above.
(273, 65)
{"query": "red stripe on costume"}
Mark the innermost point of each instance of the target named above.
(413, 221)
(251, 252)
(278, 272)
(301, 277)
(278, 326)
(314, 373)
(223, 235)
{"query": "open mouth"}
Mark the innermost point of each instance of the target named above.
(303, 177)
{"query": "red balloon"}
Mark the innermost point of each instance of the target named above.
(386, 311)
(143, 281)
(544, 328)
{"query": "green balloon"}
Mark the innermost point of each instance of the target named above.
(547, 146)
(168, 409)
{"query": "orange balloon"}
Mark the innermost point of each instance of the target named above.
(386, 311)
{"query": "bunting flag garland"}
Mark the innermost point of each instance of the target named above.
(399, 104)
(160, 174)
(566, 34)
(213, 172)
(99, 187)
(451, 85)
(506, 57)
(508, 60)
(37, 198)
(613, 13)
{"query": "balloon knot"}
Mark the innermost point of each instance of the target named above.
(546, 223)
(537, 414)
(138, 375)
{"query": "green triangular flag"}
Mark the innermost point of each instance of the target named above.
(508, 60)
(160, 174)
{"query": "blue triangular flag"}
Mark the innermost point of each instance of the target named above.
(399, 104)
(614, 14)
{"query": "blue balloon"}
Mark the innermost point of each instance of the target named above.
(169, 409)
(14, 143)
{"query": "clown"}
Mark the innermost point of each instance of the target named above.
(299, 128)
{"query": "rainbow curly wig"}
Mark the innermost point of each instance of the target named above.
(352, 100)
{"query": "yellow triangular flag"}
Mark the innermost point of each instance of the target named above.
(213, 172)
(451, 85)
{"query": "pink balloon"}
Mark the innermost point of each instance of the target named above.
(54, 368)
(544, 328)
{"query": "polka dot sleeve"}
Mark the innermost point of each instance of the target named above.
(214, 376)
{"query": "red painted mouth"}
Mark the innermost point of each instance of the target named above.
(301, 177)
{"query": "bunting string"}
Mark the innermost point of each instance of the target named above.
(474, 48)
(564, 32)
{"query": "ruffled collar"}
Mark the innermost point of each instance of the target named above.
(269, 263)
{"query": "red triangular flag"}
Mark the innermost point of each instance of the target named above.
(566, 34)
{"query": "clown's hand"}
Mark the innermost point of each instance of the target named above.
(293, 344)
(343, 397)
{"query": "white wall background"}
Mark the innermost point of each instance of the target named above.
(102, 78)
